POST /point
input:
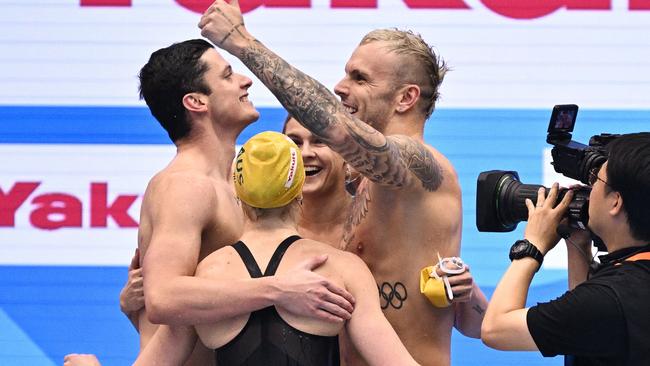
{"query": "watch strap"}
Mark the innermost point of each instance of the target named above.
(530, 251)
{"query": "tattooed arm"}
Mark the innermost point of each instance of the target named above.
(392, 161)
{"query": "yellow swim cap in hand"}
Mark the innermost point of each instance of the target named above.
(433, 287)
(436, 288)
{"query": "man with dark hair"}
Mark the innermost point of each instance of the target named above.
(189, 209)
(171, 73)
(603, 319)
(407, 206)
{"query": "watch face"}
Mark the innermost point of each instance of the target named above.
(519, 248)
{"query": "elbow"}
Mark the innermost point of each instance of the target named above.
(468, 330)
(474, 332)
(158, 308)
(490, 336)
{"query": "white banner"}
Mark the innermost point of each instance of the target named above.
(74, 204)
(526, 53)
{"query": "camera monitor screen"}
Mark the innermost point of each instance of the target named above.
(563, 119)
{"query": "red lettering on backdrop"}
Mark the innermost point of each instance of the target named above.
(62, 205)
(199, 6)
(436, 4)
(518, 9)
(11, 201)
(413, 4)
(639, 4)
(529, 9)
(105, 2)
(354, 4)
(100, 210)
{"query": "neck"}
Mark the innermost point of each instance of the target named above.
(325, 207)
(323, 216)
(212, 149)
(410, 124)
(269, 228)
(620, 239)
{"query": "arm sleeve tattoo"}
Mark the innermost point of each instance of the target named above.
(391, 161)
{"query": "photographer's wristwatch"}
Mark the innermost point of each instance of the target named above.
(524, 248)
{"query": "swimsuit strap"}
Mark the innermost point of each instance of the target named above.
(279, 253)
(252, 266)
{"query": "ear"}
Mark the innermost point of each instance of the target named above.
(195, 102)
(407, 97)
(616, 207)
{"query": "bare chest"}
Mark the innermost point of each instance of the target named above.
(374, 223)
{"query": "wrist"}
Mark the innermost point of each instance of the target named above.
(271, 290)
(527, 264)
(237, 41)
(579, 242)
(539, 243)
(525, 249)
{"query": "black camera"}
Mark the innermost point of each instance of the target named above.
(500, 196)
(571, 158)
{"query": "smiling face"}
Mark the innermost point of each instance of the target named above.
(229, 101)
(324, 168)
(368, 90)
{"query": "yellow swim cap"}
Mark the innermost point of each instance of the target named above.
(268, 171)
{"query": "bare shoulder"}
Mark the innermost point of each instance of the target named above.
(448, 169)
(182, 182)
(182, 191)
(215, 264)
(339, 259)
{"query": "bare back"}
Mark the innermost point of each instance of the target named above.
(397, 232)
(225, 264)
(221, 224)
(368, 328)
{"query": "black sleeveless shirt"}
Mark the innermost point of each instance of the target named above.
(267, 339)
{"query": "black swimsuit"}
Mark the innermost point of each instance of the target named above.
(267, 339)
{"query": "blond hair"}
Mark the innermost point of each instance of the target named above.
(421, 67)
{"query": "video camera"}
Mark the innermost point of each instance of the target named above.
(500, 196)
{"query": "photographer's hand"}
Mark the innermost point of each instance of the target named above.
(543, 218)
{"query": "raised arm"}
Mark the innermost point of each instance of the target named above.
(392, 161)
(505, 324)
(579, 256)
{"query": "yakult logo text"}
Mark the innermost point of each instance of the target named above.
(55, 210)
(521, 9)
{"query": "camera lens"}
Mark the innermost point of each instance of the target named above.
(501, 202)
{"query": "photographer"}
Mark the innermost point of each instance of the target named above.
(603, 319)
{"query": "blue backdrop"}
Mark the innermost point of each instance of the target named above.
(49, 311)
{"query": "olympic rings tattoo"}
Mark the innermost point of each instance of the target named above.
(393, 296)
